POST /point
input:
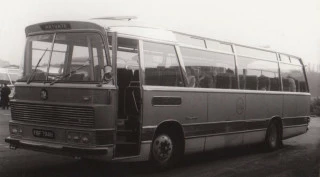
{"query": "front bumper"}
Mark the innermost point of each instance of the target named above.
(59, 149)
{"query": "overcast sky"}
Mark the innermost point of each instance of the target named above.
(289, 26)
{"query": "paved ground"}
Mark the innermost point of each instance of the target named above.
(299, 157)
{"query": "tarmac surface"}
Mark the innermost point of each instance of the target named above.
(298, 157)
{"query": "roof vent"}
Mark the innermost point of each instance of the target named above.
(116, 18)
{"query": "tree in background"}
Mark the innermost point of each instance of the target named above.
(313, 74)
(315, 106)
(314, 83)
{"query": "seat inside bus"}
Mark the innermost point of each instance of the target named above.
(263, 83)
(274, 84)
(251, 82)
(163, 76)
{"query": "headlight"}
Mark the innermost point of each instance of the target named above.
(78, 137)
(16, 130)
(85, 139)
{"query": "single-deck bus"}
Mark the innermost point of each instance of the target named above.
(132, 93)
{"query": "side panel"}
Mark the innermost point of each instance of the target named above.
(261, 107)
(225, 107)
(191, 112)
(290, 106)
(295, 114)
(289, 132)
(296, 105)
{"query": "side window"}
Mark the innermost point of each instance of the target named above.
(293, 79)
(209, 69)
(215, 45)
(161, 65)
(295, 60)
(284, 58)
(256, 53)
(127, 62)
(258, 74)
(190, 40)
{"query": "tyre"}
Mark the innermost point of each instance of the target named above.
(166, 150)
(273, 138)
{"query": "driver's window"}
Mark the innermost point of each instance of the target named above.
(80, 62)
(87, 58)
(57, 65)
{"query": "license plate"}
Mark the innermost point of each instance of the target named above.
(43, 133)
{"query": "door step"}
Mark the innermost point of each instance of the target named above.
(124, 149)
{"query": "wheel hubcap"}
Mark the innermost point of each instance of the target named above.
(162, 148)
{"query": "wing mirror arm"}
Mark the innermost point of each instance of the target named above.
(107, 77)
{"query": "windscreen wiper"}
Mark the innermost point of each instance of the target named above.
(68, 74)
(35, 69)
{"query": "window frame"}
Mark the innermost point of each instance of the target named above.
(303, 75)
(103, 37)
(178, 55)
(204, 50)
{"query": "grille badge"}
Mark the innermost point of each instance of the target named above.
(44, 94)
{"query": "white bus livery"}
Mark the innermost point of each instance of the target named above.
(134, 93)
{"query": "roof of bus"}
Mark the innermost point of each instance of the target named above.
(133, 28)
(136, 28)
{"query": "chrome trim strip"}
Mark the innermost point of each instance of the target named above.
(204, 49)
(245, 120)
(13, 122)
(279, 72)
(256, 48)
(67, 31)
(55, 146)
(150, 126)
(146, 142)
(255, 58)
(166, 105)
(296, 117)
(215, 90)
(182, 66)
(125, 158)
(58, 103)
(206, 123)
(290, 63)
(66, 85)
(41, 144)
(228, 133)
(236, 65)
(170, 42)
(50, 56)
(292, 126)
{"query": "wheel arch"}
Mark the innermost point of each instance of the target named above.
(171, 125)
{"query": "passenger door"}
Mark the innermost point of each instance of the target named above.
(128, 122)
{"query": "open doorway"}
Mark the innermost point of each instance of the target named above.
(129, 98)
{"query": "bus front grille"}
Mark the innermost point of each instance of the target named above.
(53, 114)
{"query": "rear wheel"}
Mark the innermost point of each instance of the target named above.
(273, 139)
(166, 150)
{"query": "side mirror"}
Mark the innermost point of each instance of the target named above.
(108, 74)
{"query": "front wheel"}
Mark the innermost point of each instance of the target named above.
(273, 139)
(165, 150)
